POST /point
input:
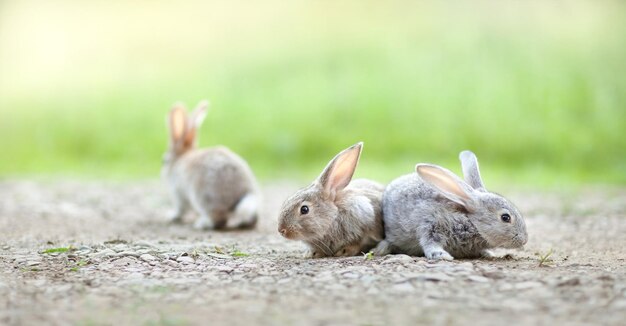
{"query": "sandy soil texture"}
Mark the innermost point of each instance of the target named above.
(126, 266)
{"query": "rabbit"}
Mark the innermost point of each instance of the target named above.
(436, 214)
(217, 183)
(334, 216)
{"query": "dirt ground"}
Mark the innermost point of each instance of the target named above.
(126, 266)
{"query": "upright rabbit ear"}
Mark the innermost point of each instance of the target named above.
(199, 113)
(339, 171)
(177, 122)
(447, 183)
(195, 120)
(469, 163)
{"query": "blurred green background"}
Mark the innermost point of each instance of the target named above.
(536, 89)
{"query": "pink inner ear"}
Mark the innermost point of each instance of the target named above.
(343, 169)
(443, 181)
(177, 123)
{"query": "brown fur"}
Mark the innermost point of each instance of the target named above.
(212, 181)
(344, 218)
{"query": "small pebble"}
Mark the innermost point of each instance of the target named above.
(143, 243)
(171, 263)
(224, 269)
(185, 260)
(119, 247)
(435, 277)
(401, 258)
(128, 253)
(147, 257)
(104, 253)
(478, 279)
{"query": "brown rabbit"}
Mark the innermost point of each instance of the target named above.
(334, 216)
(215, 182)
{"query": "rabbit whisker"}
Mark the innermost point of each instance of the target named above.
(324, 247)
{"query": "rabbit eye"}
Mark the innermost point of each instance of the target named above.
(506, 218)
(304, 210)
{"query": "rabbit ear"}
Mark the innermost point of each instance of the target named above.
(339, 171)
(177, 122)
(195, 120)
(447, 183)
(199, 113)
(469, 163)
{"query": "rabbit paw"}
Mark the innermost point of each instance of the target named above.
(347, 251)
(203, 223)
(313, 254)
(383, 248)
(438, 254)
(175, 218)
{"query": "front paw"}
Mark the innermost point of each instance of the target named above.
(348, 251)
(487, 255)
(439, 255)
(382, 248)
(203, 223)
(311, 253)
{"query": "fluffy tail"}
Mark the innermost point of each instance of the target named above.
(245, 214)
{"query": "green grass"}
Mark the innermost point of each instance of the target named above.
(368, 256)
(77, 265)
(57, 250)
(540, 96)
(238, 253)
(544, 258)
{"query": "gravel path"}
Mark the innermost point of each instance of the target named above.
(126, 266)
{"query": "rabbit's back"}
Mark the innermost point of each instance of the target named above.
(373, 191)
(218, 176)
(412, 209)
(402, 202)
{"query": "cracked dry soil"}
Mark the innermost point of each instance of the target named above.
(126, 266)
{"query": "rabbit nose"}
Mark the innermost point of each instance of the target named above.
(283, 232)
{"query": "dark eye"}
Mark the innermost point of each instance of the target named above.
(304, 210)
(506, 218)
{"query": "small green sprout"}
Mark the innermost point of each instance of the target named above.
(78, 265)
(544, 259)
(58, 250)
(238, 253)
(368, 256)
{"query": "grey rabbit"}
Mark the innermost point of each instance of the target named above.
(334, 216)
(436, 214)
(217, 183)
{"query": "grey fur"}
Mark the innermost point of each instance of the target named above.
(342, 220)
(215, 182)
(471, 172)
(422, 216)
